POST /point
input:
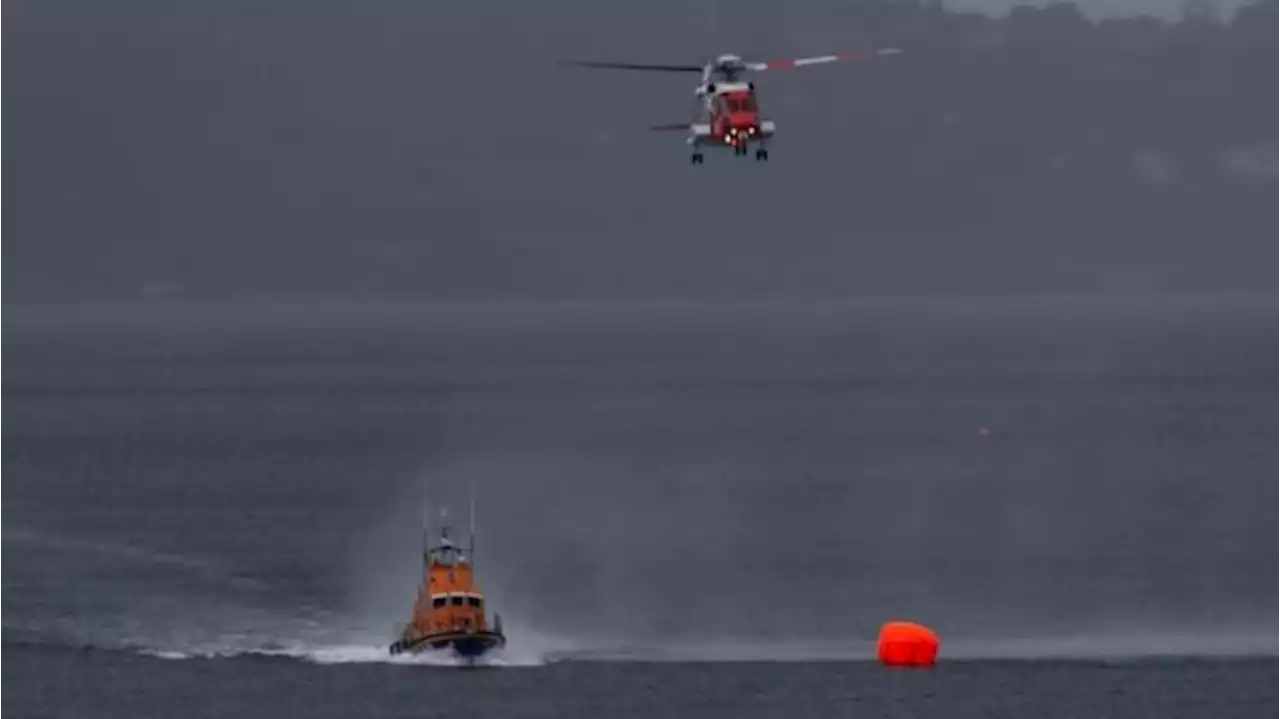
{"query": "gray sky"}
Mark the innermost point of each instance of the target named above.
(1094, 8)
(225, 149)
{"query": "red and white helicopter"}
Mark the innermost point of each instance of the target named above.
(729, 115)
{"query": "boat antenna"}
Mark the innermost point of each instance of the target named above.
(471, 543)
(426, 522)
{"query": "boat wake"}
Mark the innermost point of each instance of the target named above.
(349, 654)
(335, 640)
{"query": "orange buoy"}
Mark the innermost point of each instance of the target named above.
(906, 644)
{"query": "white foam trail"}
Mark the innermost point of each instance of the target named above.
(361, 654)
(160, 654)
(365, 654)
(318, 638)
(350, 654)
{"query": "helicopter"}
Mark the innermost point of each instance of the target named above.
(728, 112)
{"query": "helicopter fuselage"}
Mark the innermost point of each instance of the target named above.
(730, 119)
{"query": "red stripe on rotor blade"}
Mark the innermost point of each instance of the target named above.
(820, 60)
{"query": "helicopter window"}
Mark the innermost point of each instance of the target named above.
(438, 602)
(749, 104)
(456, 601)
(474, 602)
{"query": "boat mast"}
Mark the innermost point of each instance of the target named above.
(426, 524)
(471, 543)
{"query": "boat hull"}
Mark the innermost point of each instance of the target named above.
(467, 645)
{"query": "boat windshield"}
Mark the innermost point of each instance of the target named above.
(448, 555)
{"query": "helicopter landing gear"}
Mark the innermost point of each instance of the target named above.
(762, 154)
(695, 158)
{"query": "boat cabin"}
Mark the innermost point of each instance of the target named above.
(448, 600)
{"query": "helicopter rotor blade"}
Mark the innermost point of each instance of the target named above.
(820, 59)
(670, 126)
(635, 66)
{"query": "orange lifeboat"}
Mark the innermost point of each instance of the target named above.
(906, 644)
(449, 610)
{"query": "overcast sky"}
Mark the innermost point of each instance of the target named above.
(221, 148)
(1095, 8)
